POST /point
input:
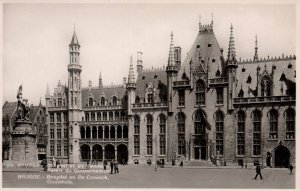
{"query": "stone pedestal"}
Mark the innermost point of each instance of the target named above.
(24, 147)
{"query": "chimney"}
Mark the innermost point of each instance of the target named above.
(139, 62)
(177, 50)
(90, 85)
(124, 82)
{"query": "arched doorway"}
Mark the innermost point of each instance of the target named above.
(109, 152)
(85, 152)
(282, 157)
(97, 153)
(200, 136)
(122, 153)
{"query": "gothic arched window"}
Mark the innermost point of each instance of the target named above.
(102, 101)
(256, 132)
(290, 124)
(241, 133)
(149, 134)
(219, 132)
(181, 133)
(91, 102)
(114, 101)
(200, 92)
(162, 135)
(265, 86)
(273, 121)
(136, 135)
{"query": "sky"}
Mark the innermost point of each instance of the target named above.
(36, 38)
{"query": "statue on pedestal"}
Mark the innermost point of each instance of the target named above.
(23, 107)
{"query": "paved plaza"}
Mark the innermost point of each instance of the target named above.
(147, 177)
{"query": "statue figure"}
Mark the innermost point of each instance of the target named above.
(23, 106)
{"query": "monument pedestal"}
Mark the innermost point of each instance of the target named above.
(24, 147)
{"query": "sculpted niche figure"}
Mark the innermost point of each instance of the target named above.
(23, 107)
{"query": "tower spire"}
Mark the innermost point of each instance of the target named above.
(100, 80)
(199, 22)
(131, 79)
(255, 58)
(212, 20)
(47, 92)
(171, 52)
(231, 49)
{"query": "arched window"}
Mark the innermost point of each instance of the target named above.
(162, 135)
(200, 92)
(149, 134)
(114, 101)
(112, 132)
(87, 117)
(110, 116)
(273, 120)
(104, 116)
(136, 135)
(199, 124)
(98, 116)
(88, 132)
(241, 133)
(219, 132)
(82, 132)
(181, 133)
(265, 85)
(94, 133)
(102, 101)
(290, 124)
(256, 132)
(91, 102)
(117, 116)
(92, 116)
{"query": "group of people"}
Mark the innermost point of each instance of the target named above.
(114, 168)
(258, 170)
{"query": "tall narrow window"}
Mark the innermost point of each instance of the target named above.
(51, 117)
(273, 120)
(241, 133)
(65, 117)
(91, 102)
(200, 93)
(65, 133)
(162, 135)
(59, 101)
(290, 124)
(220, 96)
(181, 98)
(181, 133)
(111, 116)
(265, 86)
(219, 132)
(256, 132)
(102, 101)
(58, 133)
(52, 148)
(58, 149)
(66, 148)
(98, 116)
(150, 98)
(92, 116)
(51, 133)
(114, 101)
(104, 116)
(87, 116)
(149, 135)
(58, 117)
(136, 135)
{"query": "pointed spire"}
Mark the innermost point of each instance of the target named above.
(74, 38)
(100, 80)
(212, 20)
(131, 78)
(255, 58)
(171, 52)
(231, 48)
(47, 92)
(199, 22)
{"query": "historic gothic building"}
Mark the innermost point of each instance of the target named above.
(208, 107)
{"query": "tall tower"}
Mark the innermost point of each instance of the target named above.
(74, 100)
(131, 86)
(172, 70)
(231, 65)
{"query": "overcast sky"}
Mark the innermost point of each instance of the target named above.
(36, 38)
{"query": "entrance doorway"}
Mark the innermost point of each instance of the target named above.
(85, 152)
(122, 154)
(282, 157)
(200, 153)
(97, 153)
(109, 152)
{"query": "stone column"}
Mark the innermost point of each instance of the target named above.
(84, 132)
(122, 132)
(103, 130)
(116, 152)
(91, 151)
(116, 128)
(97, 133)
(91, 132)
(103, 154)
(109, 132)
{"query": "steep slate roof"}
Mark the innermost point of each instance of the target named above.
(207, 53)
(96, 93)
(9, 108)
(147, 76)
(32, 113)
(250, 69)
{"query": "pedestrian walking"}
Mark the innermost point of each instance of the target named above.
(291, 169)
(53, 162)
(44, 164)
(104, 164)
(156, 165)
(58, 164)
(111, 166)
(258, 171)
(116, 167)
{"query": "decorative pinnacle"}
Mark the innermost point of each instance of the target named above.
(131, 78)
(212, 19)
(231, 48)
(47, 91)
(255, 58)
(171, 52)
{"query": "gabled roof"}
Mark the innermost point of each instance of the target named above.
(207, 47)
(97, 92)
(9, 108)
(153, 76)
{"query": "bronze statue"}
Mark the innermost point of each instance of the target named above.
(23, 106)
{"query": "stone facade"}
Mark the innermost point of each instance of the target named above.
(207, 107)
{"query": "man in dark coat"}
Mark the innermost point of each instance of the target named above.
(258, 171)
(116, 167)
(111, 166)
